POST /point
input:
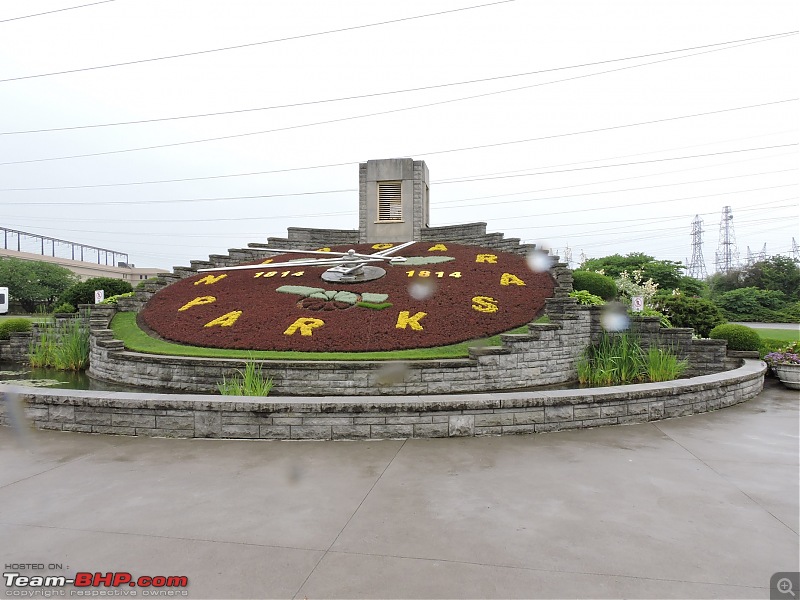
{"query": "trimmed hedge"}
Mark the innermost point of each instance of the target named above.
(9, 326)
(594, 283)
(739, 337)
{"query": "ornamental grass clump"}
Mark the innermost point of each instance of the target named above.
(663, 365)
(616, 360)
(250, 382)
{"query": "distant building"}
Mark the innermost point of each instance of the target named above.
(86, 270)
(85, 261)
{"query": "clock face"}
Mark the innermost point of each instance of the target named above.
(443, 294)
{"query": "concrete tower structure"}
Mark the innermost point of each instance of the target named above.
(393, 200)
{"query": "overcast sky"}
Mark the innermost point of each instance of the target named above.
(595, 203)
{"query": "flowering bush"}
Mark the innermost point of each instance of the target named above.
(788, 356)
(630, 285)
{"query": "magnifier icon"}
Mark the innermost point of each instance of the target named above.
(785, 587)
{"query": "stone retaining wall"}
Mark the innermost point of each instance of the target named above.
(378, 417)
(546, 355)
(17, 348)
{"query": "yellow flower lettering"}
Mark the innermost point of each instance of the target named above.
(486, 258)
(209, 279)
(382, 246)
(484, 304)
(509, 279)
(225, 320)
(439, 247)
(305, 325)
(197, 302)
(404, 319)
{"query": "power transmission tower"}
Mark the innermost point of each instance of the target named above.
(795, 251)
(697, 266)
(583, 258)
(762, 256)
(567, 258)
(727, 255)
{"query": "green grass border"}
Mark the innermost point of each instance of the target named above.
(784, 335)
(135, 339)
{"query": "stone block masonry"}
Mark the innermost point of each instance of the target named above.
(546, 355)
(382, 417)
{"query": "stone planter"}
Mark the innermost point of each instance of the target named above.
(789, 375)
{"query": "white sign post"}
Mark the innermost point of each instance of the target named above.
(637, 303)
(99, 296)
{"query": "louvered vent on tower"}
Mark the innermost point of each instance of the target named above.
(390, 207)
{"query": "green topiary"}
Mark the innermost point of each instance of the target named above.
(739, 337)
(685, 311)
(9, 326)
(594, 283)
(65, 307)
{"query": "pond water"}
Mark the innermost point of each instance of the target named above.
(21, 374)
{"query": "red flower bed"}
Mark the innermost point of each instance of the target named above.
(480, 293)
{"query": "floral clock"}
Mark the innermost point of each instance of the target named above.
(435, 294)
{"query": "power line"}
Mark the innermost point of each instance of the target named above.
(322, 192)
(582, 210)
(583, 162)
(641, 162)
(18, 162)
(50, 12)
(250, 45)
(233, 175)
(377, 94)
(177, 201)
(649, 187)
(616, 179)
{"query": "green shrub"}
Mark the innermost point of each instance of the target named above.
(586, 298)
(250, 382)
(65, 307)
(115, 299)
(652, 312)
(739, 337)
(685, 311)
(594, 283)
(83, 292)
(9, 326)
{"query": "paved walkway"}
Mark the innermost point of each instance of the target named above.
(698, 507)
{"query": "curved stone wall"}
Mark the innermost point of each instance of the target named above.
(546, 355)
(379, 417)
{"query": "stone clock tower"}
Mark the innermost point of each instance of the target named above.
(393, 200)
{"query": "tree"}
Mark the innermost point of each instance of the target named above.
(666, 273)
(777, 273)
(83, 292)
(34, 282)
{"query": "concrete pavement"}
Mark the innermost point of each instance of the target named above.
(698, 507)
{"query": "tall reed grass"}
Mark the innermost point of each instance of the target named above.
(65, 348)
(620, 360)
